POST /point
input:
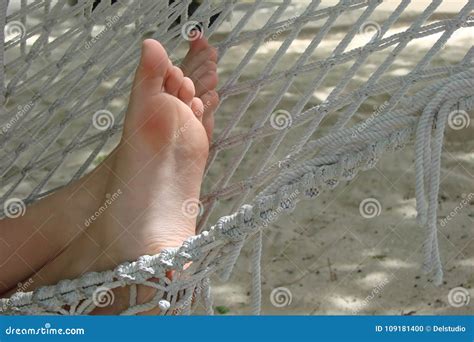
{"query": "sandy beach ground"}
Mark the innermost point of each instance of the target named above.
(326, 258)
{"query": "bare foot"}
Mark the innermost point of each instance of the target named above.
(69, 208)
(158, 167)
(159, 163)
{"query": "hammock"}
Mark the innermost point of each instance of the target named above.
(81, 60)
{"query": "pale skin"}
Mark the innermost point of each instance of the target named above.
(158, 164)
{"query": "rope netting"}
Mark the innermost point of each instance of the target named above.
(66, 65)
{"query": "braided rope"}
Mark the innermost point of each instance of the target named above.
(310, 167)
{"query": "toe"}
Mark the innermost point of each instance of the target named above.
(213, 54)
(197, 45)
(205, 77)
(186, 93)
(197, 107)
(153, 67)
(174, 81)
(194, 60)
(210, 100)
(203, 68)
(206, 82)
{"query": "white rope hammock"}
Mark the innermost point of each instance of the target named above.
(62, 74)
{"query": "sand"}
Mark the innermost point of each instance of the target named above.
(327, 257)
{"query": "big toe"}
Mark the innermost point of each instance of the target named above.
(153, 67)
(199, 52)
(199, 44)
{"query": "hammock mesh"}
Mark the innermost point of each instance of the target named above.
(73, 64)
